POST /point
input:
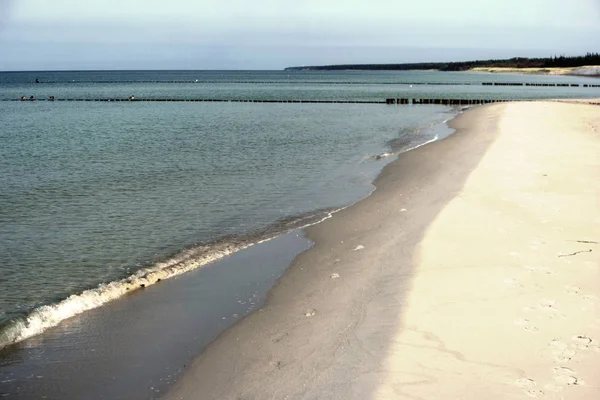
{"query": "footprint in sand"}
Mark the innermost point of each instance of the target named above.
(563, 377)
(525, 383)
(539, 269)
(561, 351)
(529, 387)
(549, 308)
(526, 324)
(534, 393)
(582, 342)
(547, 303)
(563, 371)
(572, 289)
(513, 283)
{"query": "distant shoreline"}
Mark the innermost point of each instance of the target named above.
(591, 71)
(588, 65)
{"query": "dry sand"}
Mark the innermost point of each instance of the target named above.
(591, 70)
(472, 272)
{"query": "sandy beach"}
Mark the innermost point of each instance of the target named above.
(590, 70)
(471, 272)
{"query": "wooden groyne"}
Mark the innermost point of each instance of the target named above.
(553, 84)
(539, 84)
(292, 82)
(445, 102)
(399, 101)
(502, 84)
(402, 101)
(136, 100)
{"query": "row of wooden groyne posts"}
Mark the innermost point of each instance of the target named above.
(387, 101)
(538, 84)
(347, 83)
(445, 102)
(133, 99)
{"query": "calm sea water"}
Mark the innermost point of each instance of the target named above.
(97, 199)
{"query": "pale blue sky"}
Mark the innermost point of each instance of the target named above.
(272, 34)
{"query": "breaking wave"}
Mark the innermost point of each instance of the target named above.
(47, 316)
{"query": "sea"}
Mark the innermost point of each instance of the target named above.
(104, 203)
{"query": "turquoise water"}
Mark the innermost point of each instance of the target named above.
(99, 198)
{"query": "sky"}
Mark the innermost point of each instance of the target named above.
(273, 34)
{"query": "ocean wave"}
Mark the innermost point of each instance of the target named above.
(47, 316)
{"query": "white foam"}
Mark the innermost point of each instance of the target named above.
(426, 128)
(383, 155)
(48, 316)
(422, 144)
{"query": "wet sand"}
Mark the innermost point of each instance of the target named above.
(135, 347)
(471, 272)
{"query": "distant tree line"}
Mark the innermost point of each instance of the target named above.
(517, 62)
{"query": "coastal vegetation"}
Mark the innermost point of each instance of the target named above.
(517, 62)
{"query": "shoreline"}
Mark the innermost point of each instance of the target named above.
(337, 324)
(135, 347)
(296, 277)
(191, 257)
(69, 343)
